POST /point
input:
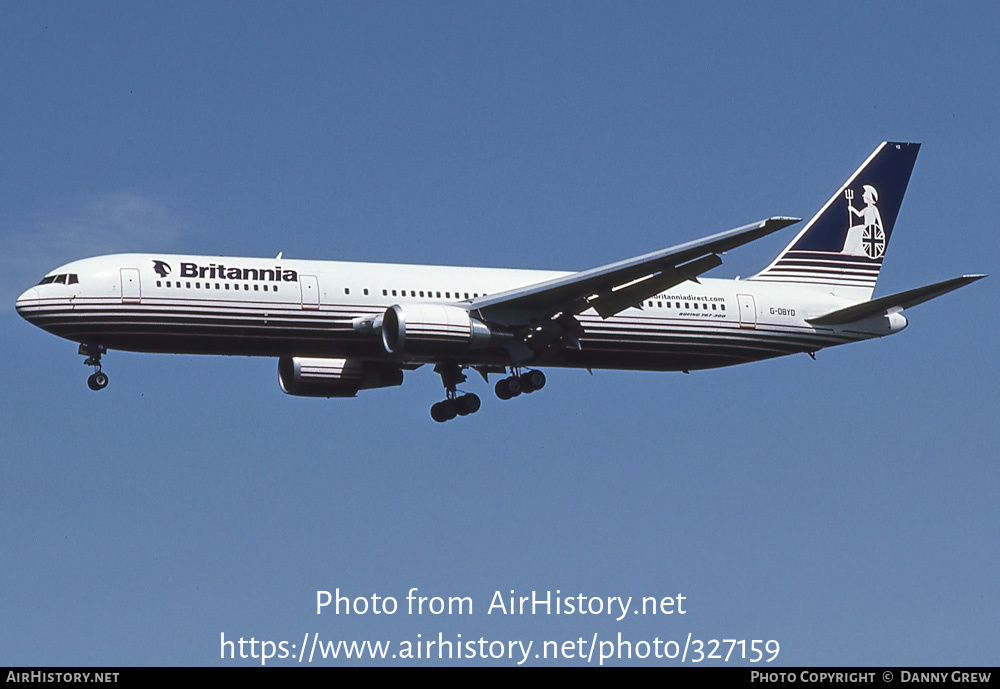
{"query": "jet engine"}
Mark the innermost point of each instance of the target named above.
(314, 377)
(432, 329)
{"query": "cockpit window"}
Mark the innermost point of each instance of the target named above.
(64, 279)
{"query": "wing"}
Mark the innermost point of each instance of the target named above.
(618, 286)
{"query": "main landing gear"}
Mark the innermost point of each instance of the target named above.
(511, 387)
(465, 404)
(98, 380)
(454, 404)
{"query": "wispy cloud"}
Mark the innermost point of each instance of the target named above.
(99, 224)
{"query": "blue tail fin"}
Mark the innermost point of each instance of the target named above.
(841, 248)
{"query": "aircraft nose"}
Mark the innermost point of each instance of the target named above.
(27, 303)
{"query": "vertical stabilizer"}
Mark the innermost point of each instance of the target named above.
(841, 249)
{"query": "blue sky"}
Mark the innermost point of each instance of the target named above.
(844, 507)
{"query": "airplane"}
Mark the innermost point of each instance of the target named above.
(337, 328)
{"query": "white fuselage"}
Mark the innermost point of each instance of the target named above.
(283, 307)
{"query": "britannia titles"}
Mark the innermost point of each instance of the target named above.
(217, 271)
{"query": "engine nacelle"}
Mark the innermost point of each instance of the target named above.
(432, 329)
(314, 377)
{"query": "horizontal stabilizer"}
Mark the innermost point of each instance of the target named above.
(902, 300)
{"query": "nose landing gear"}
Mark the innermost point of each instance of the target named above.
(98, 380)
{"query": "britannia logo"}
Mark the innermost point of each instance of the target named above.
(162, 268)
(867, 238)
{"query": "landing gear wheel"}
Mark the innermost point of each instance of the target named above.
(445, 410)
(468, 404)
(436, 413)
(508, 388)
(501, 389)
(532, 380)
(98, 380)
(455, 404)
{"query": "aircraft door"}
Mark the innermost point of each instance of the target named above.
(310, 291)
(748, 311)
(131, 291)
